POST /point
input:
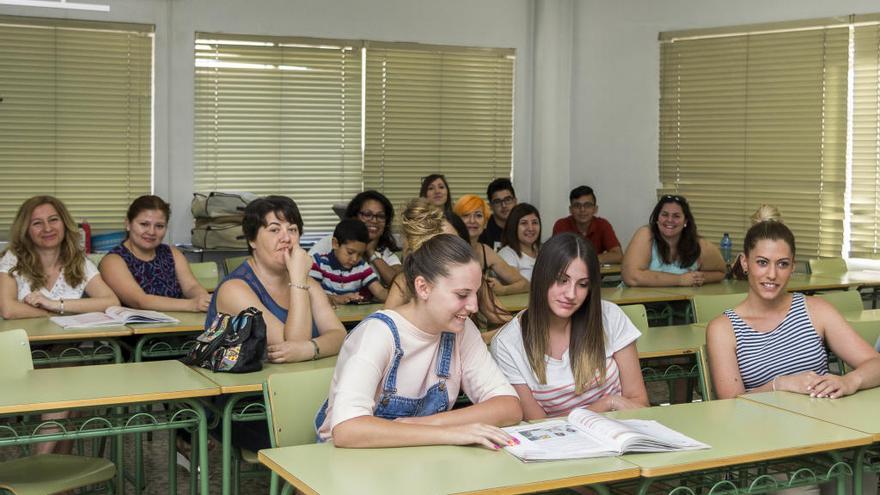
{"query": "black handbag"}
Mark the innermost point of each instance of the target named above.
(232, 344)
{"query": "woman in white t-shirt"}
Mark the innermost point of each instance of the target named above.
(570, 348)
(400, 371)
(43, 271)
(521, 239)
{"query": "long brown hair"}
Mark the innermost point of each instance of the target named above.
(22, 246)
(586, 348)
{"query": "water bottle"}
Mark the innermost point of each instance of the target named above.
(85, 236)
(726, 246)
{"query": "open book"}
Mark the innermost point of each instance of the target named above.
(113, 316)
(588, 434)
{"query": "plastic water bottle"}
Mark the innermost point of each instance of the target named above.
(85, 236)
(726, 246)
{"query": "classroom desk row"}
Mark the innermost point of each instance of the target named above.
(767, 427)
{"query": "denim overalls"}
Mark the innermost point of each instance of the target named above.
(392, 406)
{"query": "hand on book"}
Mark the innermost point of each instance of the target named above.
(488, 436)
(621, 403)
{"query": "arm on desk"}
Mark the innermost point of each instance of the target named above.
(10, 307)
(711, 263)
(398, 294)
(637, 259)
(611, 256)
(118, 277)
(372, 432)
(509, 280)
(849, 346)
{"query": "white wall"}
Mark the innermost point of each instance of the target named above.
(616, 87)
(492, 23)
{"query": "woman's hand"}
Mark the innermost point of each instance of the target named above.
(488, 436)
(832, 386)
(298, 264)
(691, 279)
(200, 304)
(621, 403)
(289, 351)
(799, 383)
(39, 300)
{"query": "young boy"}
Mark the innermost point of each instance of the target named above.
(502, 199)
(343, 273)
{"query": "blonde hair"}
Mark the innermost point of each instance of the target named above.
(21, 245)
(766, 213)
(419, 222)
(470, 203)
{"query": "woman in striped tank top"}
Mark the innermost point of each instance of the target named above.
(775, 340)
(570, 348)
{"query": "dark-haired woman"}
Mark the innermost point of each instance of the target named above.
(570, 348)
(669, 251)
(300, 323)
(144, 272)
(374, 209)
(776, 340)
(436, 190)
(521, 239)
(400, 371)
(44, 272)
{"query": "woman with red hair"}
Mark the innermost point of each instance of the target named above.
(503, 278)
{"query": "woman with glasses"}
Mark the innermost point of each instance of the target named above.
(669, 251)
(374, 209)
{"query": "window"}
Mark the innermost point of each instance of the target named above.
(865, 189)
(760, 117)
(279, 116)
(287, 116)
(75, 116)
(437, 110)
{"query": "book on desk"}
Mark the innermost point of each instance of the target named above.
(112, 317)
(586, 434)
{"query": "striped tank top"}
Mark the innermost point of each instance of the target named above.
(792, 347)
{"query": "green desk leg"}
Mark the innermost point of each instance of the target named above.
(227, 438)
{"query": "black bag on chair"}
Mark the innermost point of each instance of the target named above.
(233, 344)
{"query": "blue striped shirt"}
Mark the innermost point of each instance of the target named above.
(792, 347)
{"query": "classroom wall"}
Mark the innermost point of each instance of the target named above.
(615, 88)
(492, 23)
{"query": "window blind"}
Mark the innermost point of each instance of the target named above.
(758, 118)
(76, 116)
(865, 188)
(279, 116)
(437, 109)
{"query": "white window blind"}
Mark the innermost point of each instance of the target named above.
(279, 116)
(747, 119)
(865, 189)
(75, 116)
(432, 109)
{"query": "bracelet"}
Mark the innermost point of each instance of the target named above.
(773, 383)
(304, 286)
(62, 306)
(317, 349)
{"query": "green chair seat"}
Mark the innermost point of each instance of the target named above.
(53, 473)
(232, 263)
(637, 314)
(207, 274)
(249, 456)
(708, 307)
(846, 301)
(832, 266)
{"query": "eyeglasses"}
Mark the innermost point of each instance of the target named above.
(586, 205)
(674, 197)
(506, 201)
(369, 216)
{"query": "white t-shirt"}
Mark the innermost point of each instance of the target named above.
(366, 358)
(60, 290)
(325, 245)
(525, 263)
(557, 396)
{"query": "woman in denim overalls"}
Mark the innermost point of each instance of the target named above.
(399, 371)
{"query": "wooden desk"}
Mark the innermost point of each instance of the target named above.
(152, 338)
(122, 384)
(41, 330)
(671, 341)
(325, 469)
(723, 287)
(354, 313)
(854, 278)
(241, 386)
(803, 282)
(610, 268)
(739, 431)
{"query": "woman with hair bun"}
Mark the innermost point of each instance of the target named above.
(400, 371)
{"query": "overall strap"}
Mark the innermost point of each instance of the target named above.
(444, 354)
(390, 386)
